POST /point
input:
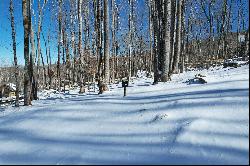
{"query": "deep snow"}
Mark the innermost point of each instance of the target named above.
(169, 123)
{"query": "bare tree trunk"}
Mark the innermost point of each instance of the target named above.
(59, 46)
(247, 46)
(86, 31)
(183, 34)
(239, 25)
(26, 25)
(80, 51)
(114, 17)
(44, 70)
(34, 75)
(106, 42)
(47, 60)
(173, 35)
(73, 43)
(156, 41)
(14, 51)
(228, 29)
(99, 37)
(150, 35)
(178, 39)
(38, 41)
(131, 30)
(49, 65)
(223, 28)
(167, 41)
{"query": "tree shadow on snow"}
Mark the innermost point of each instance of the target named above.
(76, 150)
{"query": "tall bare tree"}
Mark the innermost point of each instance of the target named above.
(178, 38)
(59, 45)
(131, 34)
(155, 19)
(80, 49)
(73, 37)
(26, 25)
(150, 29)
(38, 35)
(106, 42)
(114, 27)
(167, 40)
(14, 51)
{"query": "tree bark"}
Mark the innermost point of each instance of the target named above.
(80, 51)
(178, 39)
(156, 41)
(59, 46)
(167, 41)
(106, 42)
(26, 25)
(14, 51)
(150, 36)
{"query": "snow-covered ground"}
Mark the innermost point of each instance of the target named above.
(169, 123)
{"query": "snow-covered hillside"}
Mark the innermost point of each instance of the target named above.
(168, 123)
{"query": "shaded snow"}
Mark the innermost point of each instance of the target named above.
(169, 123)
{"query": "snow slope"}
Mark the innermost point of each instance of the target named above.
(169, 123)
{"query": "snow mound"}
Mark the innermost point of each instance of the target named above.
(51, 95)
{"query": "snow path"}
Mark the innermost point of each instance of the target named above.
(170, 123)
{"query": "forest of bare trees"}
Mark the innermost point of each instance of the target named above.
(94, 44)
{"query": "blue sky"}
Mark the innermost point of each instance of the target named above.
(6, 56)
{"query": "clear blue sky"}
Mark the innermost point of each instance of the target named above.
(6, 56)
